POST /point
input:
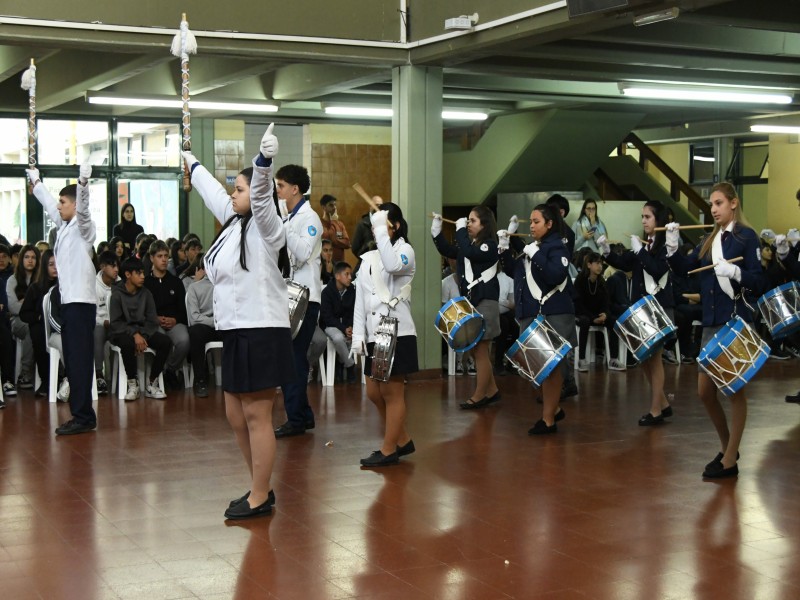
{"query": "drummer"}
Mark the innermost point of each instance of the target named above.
(476, 253)
(727, 289)
(648, 262)
(383, 287)
(541, 275)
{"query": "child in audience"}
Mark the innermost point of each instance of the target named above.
(200, 314)
(16, 288)
(106, 277)
(337, 304)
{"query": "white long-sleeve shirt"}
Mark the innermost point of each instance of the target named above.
(73, 248)
(398, 265)
(304, 243)
(256, 297)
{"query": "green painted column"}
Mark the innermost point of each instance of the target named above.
(417, 189)
(201, 221)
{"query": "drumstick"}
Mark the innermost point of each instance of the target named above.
(357, 187)
(711, 266)
(687, 227)
(520, 234)
(630, 235)
(430, 216)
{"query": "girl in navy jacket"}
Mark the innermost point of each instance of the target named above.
(546, 262)
(727, 289)
(648, 263)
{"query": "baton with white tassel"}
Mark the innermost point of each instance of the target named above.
(29, 84)
(184, 44)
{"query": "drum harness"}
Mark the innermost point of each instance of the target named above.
(374, 262)
(486, 276)
(536, 291)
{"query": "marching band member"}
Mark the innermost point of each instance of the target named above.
(304, 243)
(788, 251)
(250, 310)
(728, 289)
(383, 287)
(541, 275)
(476, 253)
(648, 262)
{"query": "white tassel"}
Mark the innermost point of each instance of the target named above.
(190, 47)
(29, 78)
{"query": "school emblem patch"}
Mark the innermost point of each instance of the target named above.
(485, 247)
(404, 258)
(312, 230)
(564, 261)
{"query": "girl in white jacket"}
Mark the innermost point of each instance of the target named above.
(383, 287)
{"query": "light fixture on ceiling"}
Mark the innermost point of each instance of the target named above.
(365, 111)
(657, 17)
(705, 94)
(464, 22)
(165, 102)
(775, 129)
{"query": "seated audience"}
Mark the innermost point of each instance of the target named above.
(200, 314)
(16, 288)
(337, 304)
(593, 309)
(106, 278)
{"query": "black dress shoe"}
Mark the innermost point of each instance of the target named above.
(244, 511)
(287, 430)
(648, 420)
(470, 405)
(667, 412)
(794, 399)
(201, 389)
(73, 427)
(406, 449)
(542, 428)
(270, 499)
(494, 398)
(309, 425)
(715, 470)
(560, 415)
(568, 390)
(379, 459)
(718, 459)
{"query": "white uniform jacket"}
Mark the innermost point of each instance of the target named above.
(103, 293)
(304, 243)
(73, 248)
(256, 297)
(398, 265)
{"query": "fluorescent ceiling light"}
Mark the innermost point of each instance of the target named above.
(706, 95)
(258, 107)
(657, 17)
(458, 115)
(703, 158)
(358, 111)
(774, 129)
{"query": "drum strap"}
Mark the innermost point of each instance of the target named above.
(536, 291)
(716, 256)
(651, 285)
(486, 276)
(375, 268)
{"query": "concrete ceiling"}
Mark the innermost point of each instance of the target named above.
(518, 62)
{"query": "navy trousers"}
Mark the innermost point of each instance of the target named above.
(295, 398)
(77, 337)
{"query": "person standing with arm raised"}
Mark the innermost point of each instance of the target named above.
(251, 311)
(73, 250)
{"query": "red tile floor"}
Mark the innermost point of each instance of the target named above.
(604, 509)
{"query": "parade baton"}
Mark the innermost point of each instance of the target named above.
(357, 187)
(184, 44)
(687, 227)
(29, 84)
(711, 266)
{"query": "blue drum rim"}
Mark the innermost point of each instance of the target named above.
(551, 364)
(457, 326)
(784, 328)
(735, 324)
(624, 316)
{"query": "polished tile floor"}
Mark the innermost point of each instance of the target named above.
(604, 509)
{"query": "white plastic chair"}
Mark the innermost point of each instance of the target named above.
(216, 348)
(119, 378)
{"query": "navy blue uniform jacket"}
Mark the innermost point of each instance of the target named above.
(482, 256)
(654, 262)
(717, 306)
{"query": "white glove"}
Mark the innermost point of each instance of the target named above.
(461, 223)
(782, 246)
(636, 244)
(513, 224)
(357, 346)
(673, 238)
(284, 210)
(793, 235)
(767, 235)
(603, 245)
(84, 173)
(725, 269)
(380, 218)
(503, 241)
(33, 175)
(189, 159)
(531, 249)
(436, 226)
(269, 143)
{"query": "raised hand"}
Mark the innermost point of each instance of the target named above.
(269, 143)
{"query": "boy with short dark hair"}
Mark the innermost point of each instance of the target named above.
(106, 277)
(134, 328)
(336, 314)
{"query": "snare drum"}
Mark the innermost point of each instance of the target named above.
(298, 304)
(644, 327)
(781, 310)
(383, 352)
(538, 351)
(460, 324)
(733, 356)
